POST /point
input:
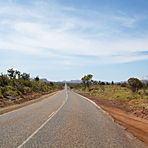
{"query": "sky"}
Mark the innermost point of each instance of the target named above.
(66, 39)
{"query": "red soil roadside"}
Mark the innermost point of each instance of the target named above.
(124, 116)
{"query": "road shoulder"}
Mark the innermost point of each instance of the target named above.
(17, 106)
(135, 125)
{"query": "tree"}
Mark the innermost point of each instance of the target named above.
(134, 84)
(18, 74)
(37, 78)
(107, 83)
(123, 84)
(86, 80)
(112, 83)
(102, 83)
(94, 82)
(51, 84)
(25, 76)
(11, 73)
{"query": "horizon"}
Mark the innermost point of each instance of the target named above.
(64, 40)
(74, 80)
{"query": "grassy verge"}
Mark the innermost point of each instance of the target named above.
(124, 112)
(119, 97)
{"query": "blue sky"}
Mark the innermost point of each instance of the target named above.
(65, 39)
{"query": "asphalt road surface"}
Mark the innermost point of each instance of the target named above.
(65, 120)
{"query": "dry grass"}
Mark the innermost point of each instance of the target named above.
(116, 92)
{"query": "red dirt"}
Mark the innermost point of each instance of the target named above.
(126, 116)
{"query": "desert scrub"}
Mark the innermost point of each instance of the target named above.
(1, 95)
(9, 91)
(117, 92)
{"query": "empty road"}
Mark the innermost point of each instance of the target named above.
(65, 120)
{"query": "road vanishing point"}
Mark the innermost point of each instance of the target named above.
(64, 120)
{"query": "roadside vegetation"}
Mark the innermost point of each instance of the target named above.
(16, 86)
(130, 95)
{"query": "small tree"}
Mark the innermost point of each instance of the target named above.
(18, 74)
(134, 84)
(25, 76)
(112, 83)
(11, 73)
(37, 78)
(107, 83)
(123, 84)
(86, 80)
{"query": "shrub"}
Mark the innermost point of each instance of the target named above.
(1, 96)
(9, 91)
(134, 84)
(14, 84)
(4, 80)
(27, 90)
(123, 84)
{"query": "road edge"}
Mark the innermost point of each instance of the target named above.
(18, 106)
(128, 133)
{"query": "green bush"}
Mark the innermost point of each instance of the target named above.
(4, 80)
(1, 95)
(134, 84)
(9, 91)
(27, 90)
(15, 84)
(39, 86)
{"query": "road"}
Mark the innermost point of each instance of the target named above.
(65, 120)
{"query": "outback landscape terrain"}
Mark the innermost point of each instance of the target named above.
(126, 102)
(73, 73)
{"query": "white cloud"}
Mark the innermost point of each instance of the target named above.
(122, 58)
(43, 28)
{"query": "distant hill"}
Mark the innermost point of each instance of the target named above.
(74, 81)
(45, 80)
(145, 81)
(79, 81)
(71, 81)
